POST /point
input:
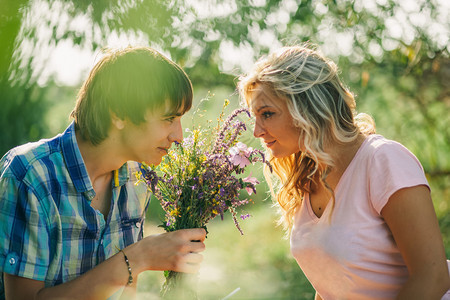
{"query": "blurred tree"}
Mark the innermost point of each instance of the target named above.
(19, 115)
(385, 45)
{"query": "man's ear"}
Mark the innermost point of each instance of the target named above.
(117, 122)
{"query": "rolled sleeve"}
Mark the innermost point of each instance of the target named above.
(10, 263)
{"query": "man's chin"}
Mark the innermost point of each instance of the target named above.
(153, 162)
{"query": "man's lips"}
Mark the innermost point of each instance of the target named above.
(163, 149)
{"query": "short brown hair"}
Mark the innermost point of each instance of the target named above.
(128, 83)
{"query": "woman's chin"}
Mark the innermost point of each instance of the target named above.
(277, 154)
(280, 154)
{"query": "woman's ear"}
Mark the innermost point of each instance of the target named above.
(117, 122)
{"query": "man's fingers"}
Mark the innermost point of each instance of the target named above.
(189, 263)
(195, 246)
(188, 268)
(177, 250)
(194, 234)
(193, 258)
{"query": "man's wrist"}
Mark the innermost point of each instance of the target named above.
(130, 271)
(135, 259)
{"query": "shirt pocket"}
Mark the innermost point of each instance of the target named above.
(132, 229)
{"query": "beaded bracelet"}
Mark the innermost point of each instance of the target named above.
(130, 275)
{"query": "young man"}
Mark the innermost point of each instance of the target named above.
(71, 213)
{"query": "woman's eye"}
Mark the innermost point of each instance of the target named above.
(267, 114)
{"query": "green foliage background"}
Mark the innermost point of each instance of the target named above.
(401, 78)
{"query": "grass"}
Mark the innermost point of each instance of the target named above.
(258, 263)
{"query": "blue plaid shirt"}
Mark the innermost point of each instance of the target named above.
(48, 229)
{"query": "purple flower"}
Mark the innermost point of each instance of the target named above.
(253, 181)
(187, 142)
(236, 129)
(239, 155)
(201, 179)
(243, 217)
(150, 177)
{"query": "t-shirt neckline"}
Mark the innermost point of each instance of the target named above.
(346, 171)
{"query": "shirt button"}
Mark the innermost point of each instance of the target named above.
(138, 224)
(12, 261)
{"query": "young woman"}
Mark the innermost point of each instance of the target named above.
(357, 205)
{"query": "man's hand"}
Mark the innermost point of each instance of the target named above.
(176, 251)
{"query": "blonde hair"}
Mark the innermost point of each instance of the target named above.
(320, 105)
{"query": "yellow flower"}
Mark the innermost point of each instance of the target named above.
(196, 134)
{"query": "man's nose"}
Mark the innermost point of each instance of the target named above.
(177, 133)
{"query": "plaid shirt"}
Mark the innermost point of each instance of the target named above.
(48, 229)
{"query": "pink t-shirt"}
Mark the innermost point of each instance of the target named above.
(353, 255)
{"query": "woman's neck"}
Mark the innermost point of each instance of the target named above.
(342, 155)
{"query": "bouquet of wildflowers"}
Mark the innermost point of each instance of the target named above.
(199, 180)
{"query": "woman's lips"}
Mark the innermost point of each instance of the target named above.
(269, 144)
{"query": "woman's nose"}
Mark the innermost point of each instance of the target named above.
(259, 129)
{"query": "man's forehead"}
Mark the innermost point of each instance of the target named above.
(170, 110)
(164, 110)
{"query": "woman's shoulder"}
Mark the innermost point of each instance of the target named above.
(391, 166)
(378, 146)
(378, 141)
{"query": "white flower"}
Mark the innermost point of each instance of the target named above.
(239, 155)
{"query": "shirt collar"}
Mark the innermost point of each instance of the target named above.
(74, 160)
(121, 176)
